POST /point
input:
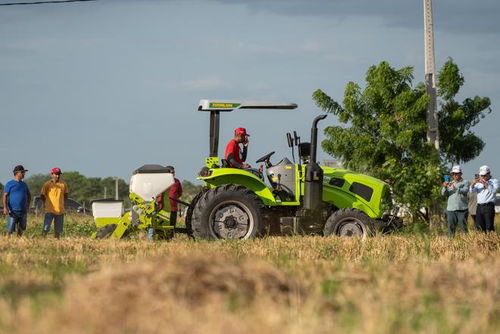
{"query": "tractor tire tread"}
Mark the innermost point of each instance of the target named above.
(332, 221)
(201, 231)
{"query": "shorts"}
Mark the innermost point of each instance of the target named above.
(16, 218)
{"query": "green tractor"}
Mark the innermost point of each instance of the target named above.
(301, 198)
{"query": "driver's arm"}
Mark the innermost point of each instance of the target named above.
(244, 153)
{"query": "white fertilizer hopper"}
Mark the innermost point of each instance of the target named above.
(150, 181)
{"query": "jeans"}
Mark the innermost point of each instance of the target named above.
(151, 233)
(458, 217)
(14, 218)
(58, 222)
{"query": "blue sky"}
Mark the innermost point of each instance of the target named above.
(103, 87)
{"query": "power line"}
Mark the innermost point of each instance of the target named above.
(41, 2)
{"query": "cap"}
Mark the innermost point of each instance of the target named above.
(483, 170)
(19, 168)
(456, 169)
(55, 170)
(241, 131)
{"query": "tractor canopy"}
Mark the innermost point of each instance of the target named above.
(216, 106)
(230, 105)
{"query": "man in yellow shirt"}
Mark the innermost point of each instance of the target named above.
(54, 193)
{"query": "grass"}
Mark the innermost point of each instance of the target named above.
(400, 283)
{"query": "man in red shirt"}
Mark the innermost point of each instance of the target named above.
(175, 192)
(234, 155)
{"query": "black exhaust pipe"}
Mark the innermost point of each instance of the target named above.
(313, 188)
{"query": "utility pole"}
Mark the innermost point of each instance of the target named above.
(116, 188)
(430, 76)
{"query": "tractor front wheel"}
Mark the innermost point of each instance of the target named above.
(349, 223)
(228, 212)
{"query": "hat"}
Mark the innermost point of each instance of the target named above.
(456, 169)
(19, 168)
(483, 170)
(55, 170)
(241, 131)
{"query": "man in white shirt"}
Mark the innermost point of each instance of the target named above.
(486, 188)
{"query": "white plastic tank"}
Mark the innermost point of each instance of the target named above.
(150, 181)
(107, 208)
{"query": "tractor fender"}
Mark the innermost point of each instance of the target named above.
(221, 176)
(343, 199)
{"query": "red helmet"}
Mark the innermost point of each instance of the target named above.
(241, 131)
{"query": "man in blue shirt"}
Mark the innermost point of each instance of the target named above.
(486, 188)
(16, 199)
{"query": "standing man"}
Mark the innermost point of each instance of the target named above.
(486, 188)
(233, 154)
(456, 210)
(175, 192)
(54, 193)
(16, 201)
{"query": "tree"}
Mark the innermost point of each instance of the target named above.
(85, 189)
(458, 143)
(384, 132)
(189, 190)
(82, 188)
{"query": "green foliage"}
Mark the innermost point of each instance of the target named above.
(189, 190)
(384, 131)
(458, 143)
(82, 188)
(85, 189)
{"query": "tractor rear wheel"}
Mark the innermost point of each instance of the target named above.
(349, 223)
(189, 213)
(228, 212)
(105, 231)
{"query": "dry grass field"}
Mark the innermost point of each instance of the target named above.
(385, 284)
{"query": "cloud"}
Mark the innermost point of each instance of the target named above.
(456, 16)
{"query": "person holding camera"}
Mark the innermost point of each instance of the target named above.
(234, 155)
(456, 210)
(486, 188)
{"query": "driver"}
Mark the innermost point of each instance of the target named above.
(234, 155)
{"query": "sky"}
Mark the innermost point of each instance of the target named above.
(106, 86)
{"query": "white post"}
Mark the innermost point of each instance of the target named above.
(116, 188)
(430, 76)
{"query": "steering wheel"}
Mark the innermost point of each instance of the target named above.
(265, 158)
